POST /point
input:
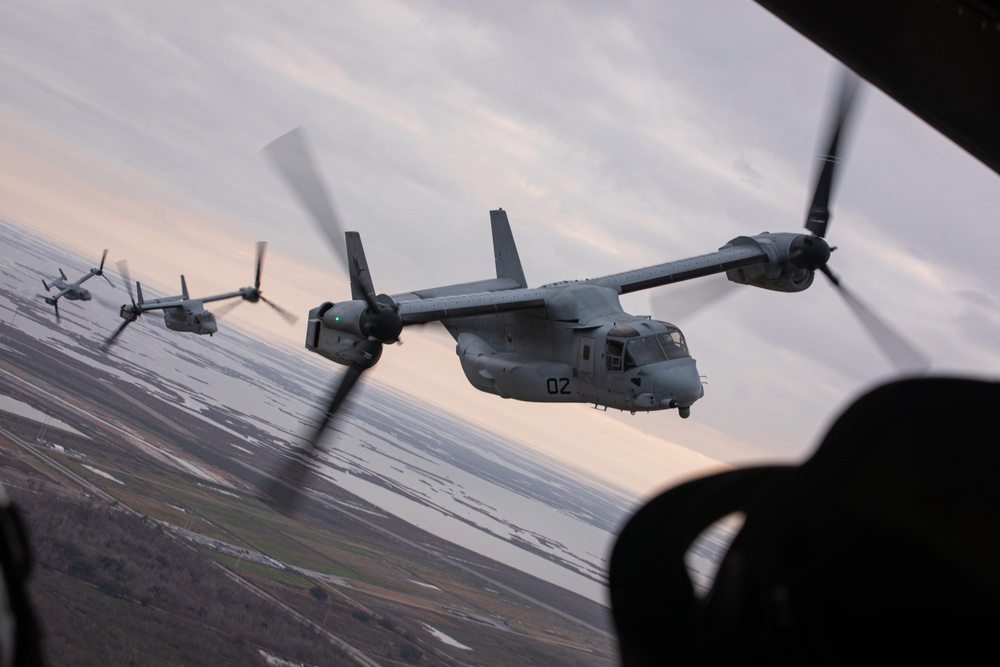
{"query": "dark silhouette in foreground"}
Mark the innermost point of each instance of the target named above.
(883, 546)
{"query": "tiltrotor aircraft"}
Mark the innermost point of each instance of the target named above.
(568, 341)
(73, 291)
(183, 313)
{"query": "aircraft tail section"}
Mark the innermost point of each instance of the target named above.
(184, 288)
(504, 249)
(138, 291)
(48, 286)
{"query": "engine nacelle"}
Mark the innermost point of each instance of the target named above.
(331, 337)
(345, 317)
(791, 261)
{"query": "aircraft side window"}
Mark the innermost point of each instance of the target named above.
(586, 353)
(613, 354)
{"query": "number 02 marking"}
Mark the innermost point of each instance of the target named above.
(557, 385)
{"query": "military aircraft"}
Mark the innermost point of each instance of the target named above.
(183, 313)
(568, 341)
(73, 291)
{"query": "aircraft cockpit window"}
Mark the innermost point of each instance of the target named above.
(673, 344)
(642, 351)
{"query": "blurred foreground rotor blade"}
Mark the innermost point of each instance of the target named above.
(285, 490)
(291, 157)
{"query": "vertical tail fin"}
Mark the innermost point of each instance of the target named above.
(63, 275)
(48, 287)
(504, 249)
(138, 291)
(184, 288)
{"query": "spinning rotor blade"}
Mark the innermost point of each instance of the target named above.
(289, 317)
(255, 294)
(286, 488)
(110, 340)
(135, 310)
(380, 324)
(819, 211)
(127, 277)
(679, 303)
(56, 305)
(904, 356)
(100, 269)
(261, 249)
(290, 156)
(224, 310)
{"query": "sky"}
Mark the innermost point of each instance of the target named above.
(615, 135)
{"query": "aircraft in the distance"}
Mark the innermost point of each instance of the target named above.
(183, 313)
(73, 291)
(568, 341)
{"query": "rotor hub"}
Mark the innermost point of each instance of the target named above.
(809, 252)
(384, 325)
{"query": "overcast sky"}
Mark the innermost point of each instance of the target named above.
(615, 137)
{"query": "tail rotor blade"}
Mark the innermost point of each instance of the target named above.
(290, 156)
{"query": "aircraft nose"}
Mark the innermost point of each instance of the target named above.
(209, 326)
(680, 383)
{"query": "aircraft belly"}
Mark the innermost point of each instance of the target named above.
(175, 321)
(517, 376)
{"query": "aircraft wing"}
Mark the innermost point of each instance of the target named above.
(162, 303)
(726, 259)
(421, 311)
(60, 294)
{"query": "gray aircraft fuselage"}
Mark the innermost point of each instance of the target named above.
(565, 342)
